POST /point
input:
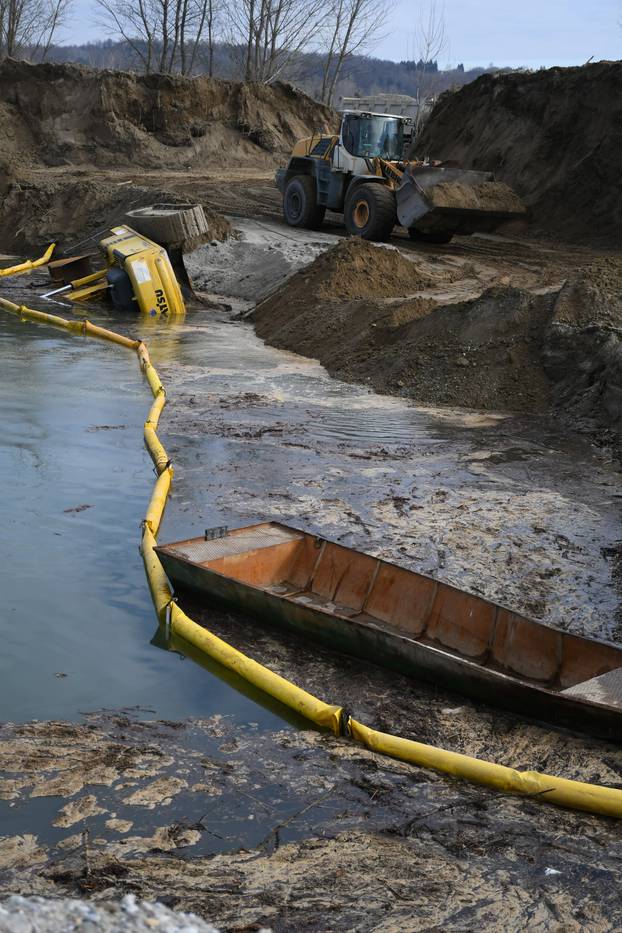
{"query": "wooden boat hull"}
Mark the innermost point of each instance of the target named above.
(420, 657)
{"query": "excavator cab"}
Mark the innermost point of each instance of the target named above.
(362, 172)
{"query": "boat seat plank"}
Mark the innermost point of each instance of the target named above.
(202, 551)
(315, 601)
(605, 689)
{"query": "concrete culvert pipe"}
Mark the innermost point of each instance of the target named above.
(183, 226)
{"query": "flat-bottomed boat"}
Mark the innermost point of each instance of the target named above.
(423, 628)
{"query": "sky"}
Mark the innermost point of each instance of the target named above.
(531, 33)
(522, 32)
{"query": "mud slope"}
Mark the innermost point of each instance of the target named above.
(509, 348)
(57, 114)
(53, 210)
(555, 136)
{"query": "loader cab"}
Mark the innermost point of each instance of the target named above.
(371, 135)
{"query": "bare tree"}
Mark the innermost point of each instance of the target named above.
(354, 26)
(429, 41)
(165, 35)
(272, 34)
(30, 25)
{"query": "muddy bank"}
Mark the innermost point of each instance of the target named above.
(39, 210)
(276, 830)
(553, 135)
(62, 114)
(510, 348)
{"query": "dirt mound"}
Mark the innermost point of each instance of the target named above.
(35, 213)
(555, 136)
(583, 352)
(355, 269)
(483, 354)
(593, 296)
(56, 114)
(509, 348)
(490, 196)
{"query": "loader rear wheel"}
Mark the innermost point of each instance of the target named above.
(300, 207)
(438, 236)
(369, 211)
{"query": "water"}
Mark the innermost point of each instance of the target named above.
(76, 617)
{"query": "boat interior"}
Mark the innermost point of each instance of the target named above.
(330, 578)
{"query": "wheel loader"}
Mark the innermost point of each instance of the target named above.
(362, 172)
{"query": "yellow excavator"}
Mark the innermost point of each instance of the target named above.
(362, 172)
(136, 274)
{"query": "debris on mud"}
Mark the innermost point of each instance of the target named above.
(270, 816)
(553, 135)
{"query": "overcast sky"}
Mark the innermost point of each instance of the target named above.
(521, 32)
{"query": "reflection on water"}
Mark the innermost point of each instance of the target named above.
(76, 616)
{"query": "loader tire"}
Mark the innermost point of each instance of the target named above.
(300, 207)
(439, 236)
(370, 211)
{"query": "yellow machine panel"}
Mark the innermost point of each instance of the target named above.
(149, 268)
(304, 147)
(138, 276)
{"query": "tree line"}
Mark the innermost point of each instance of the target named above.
(323, 46)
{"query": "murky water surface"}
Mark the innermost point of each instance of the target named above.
(76, 617)
(512, 508)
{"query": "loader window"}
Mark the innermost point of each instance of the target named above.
(368, 136)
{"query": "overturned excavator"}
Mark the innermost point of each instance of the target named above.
(362, 172)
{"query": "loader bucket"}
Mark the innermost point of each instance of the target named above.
(434, 199)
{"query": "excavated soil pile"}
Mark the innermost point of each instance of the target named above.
(555, 136)
(583, 352)
(356, 269)
(67, 129)
(480, 354)
(490, 196)
(58, 114)
(34, 213)
(509, 348)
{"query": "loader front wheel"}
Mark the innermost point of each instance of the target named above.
(369, 211)
(300, 207)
